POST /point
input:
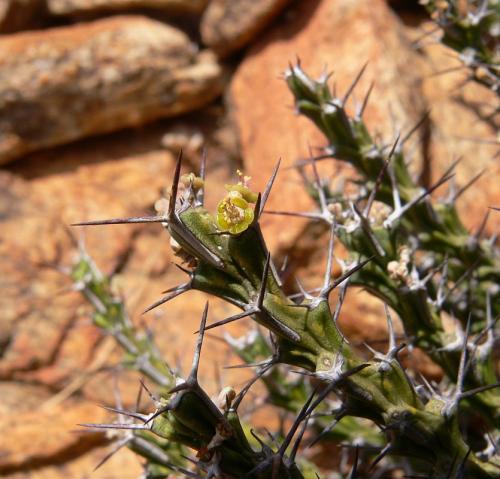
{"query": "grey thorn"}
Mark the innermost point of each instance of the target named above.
(361, 110)
(345, 276)
(122, 221)
(268, 187)
(116, 447)
(171, 295)
(367, 229)
(378, 181)
(203, 173)
(464, 188)
(330, 257)
(386, 450)
(422, 120)
(354, 83)
(398, 213)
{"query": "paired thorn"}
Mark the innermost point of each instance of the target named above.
(330, 257)
(173, 293)
(303, 413)
(305, 214)
(393, 349)
(191, 382)
(203, 172)
(333, 384)
(360, 112)
(116, 447)
(193, 375)
(175, 185)
(275, 460)
(255, 308)
(399, 212)
(231, 319)
(467, 273)
(325, 292)
(467, 185)
(367, 229)
(135, 427)
(477, 235)
(354, 470)
(264, 369)
(338, 306)
(342, 413)
(123, 412)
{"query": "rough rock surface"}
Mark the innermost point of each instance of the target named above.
(228, 25)
(18, 15)
(22, 432)
(71, 7)
(339, 35)
(55, 365)
(70, 82)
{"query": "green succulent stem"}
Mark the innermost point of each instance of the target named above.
(435, 230)
(417, 257)
(307, 337)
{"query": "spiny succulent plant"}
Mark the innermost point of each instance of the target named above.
(413, 253)
(414, 240)
(472, 29)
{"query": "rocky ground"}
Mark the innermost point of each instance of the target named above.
(96, 98)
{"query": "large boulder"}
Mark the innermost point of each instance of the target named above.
(66, 83)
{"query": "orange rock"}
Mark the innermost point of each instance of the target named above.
(39, 314)
(66, 83)
(336, 35)
(33, 438)
(228, 25)
(125, 462)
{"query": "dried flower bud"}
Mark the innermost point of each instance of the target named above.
(190, 179)
(379, 212)
(336, 210)
(225, 398)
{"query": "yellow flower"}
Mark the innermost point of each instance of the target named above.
(234, 213)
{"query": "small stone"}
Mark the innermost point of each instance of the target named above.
(228, 25)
